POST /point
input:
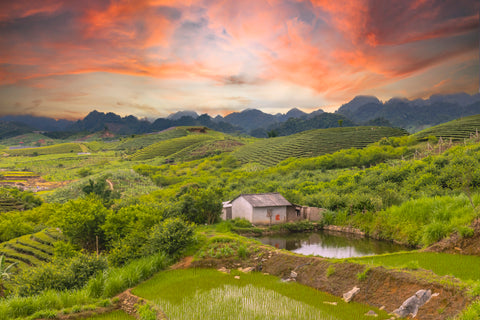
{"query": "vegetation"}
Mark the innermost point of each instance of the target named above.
(131, 211)
(312, 143)
(459, 129)
(54, 149)
(209, 294)
(440, 263)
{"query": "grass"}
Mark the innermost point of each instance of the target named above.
(115, 315)
(463, 267)
(311, 143)
(458, 129)
(209, 294)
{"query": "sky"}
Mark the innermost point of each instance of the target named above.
(149, 58)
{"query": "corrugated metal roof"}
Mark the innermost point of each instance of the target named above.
(265, 199)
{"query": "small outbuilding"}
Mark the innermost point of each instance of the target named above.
(267, 208)
(262, 208)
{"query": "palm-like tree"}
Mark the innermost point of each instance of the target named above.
(4, 273)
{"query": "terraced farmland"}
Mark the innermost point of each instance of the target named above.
(145, 140)
(55, 149)
(458, 129)
(312, 143)
(169, 147)
(30, 250)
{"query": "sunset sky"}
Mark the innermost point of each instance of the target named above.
(149, 58)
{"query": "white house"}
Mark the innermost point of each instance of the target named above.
(262, 208)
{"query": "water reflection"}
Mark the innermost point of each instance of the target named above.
(331, 244)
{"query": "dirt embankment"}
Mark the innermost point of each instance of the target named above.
(382, 287)
(456, 244)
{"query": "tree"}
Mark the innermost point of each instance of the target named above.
(201, 205)
(170, 236)
(81, 221)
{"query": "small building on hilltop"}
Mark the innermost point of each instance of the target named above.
(268, 208)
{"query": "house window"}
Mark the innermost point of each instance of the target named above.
(277, 217)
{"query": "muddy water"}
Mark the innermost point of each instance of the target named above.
(331, 244)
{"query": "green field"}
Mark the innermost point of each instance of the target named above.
(458, 129)
(209, 294)
(312, 143)
(463, 267)
(54, 149)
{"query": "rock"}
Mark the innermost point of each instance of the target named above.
(412, 304)
(246, 270)
(347, 297)
(237, 277)
(371, 313)
(293, 274)
(224, 270)
(331, 303)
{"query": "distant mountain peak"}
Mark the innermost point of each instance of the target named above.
(180, 114)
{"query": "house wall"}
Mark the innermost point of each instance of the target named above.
(312, 213)
(279, 215)
(241, 208)
(293, 215)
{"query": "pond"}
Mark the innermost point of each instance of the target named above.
(331, 244)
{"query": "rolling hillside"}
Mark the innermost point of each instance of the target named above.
(197, 137)
(312, 143)
(462, 128)
(55, 149)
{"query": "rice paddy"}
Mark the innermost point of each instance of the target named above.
(463, 267)
(208, 294)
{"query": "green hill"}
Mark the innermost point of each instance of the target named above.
(457, 129)
(312, 143)
(196, 137)
(142, 141)
(55, 149)
(29, 139)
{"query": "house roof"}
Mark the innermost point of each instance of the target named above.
(273, 199)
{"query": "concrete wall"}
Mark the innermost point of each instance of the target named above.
(279, 215)
(241, 208)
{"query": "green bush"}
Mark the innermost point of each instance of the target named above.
(61, 274)
(146, 312)
(170, 236)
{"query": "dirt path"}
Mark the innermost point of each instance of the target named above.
(110, 184)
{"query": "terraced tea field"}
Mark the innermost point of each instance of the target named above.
(169, 147)
(139, 142)
(458, 129)
(312, 143)
(30, 250)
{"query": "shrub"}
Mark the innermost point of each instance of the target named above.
(146, 312)
(330, 270)
(170, 236)
(62, 274)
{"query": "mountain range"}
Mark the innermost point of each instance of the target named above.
(412, 115)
